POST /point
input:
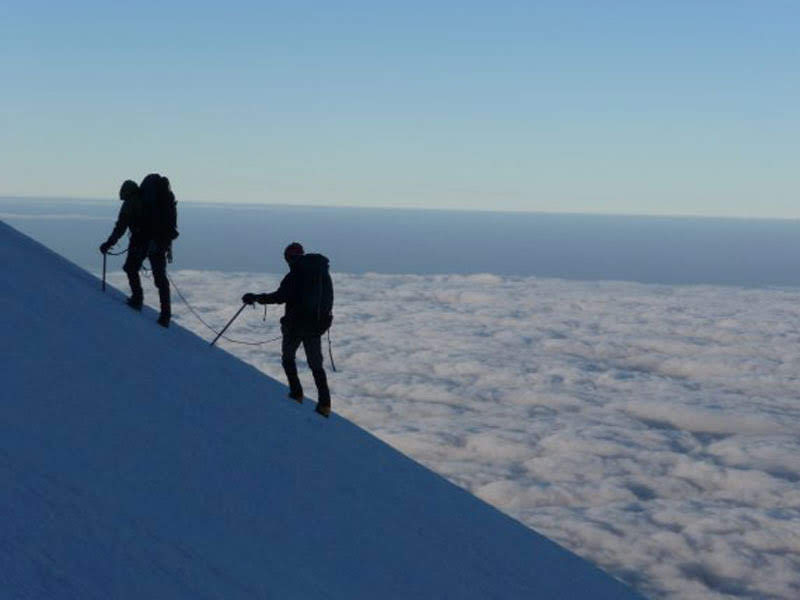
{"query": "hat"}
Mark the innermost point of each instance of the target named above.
(293, 250)
(128, 189)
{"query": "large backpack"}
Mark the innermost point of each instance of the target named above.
(159, 210)
(316, 287)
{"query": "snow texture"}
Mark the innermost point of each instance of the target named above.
(652, 429)
(137, 462)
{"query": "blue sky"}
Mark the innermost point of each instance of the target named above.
(611, 107)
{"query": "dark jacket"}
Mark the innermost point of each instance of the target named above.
(130, 217)
(307, 292)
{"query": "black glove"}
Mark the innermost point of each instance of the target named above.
(104, 247)
(249, 298)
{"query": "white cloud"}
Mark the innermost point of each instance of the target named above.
(652, 429)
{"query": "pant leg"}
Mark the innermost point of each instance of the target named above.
(133, 263)
(312, 344)
(289, 346)
(158, 264)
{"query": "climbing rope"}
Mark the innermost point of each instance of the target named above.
(210, 328)
(224, 337)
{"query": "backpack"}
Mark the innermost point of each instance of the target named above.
(316, 298)
(159, 220)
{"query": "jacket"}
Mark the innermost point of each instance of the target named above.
(307, 292)
(130, 216)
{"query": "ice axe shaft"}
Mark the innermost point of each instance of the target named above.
(104, 271)
(229, 324)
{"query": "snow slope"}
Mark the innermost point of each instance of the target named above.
(137, 462)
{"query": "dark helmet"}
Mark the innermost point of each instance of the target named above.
(128, 190)
(293, 251)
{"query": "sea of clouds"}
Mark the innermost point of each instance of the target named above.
(652, 429)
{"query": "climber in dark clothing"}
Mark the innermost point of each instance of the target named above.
(140, 214)
(307, 292)
(130, 214)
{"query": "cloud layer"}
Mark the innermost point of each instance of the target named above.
(652, 429)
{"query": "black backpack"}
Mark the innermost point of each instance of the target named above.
(316, 296)
(159, 210)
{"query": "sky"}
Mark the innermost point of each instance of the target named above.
(578, 106)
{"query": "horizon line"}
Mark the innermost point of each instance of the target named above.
(511, 211)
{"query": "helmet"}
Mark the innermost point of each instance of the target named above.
(128, 189)
(292, 251)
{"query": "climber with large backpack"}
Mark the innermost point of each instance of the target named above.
(151, 215)
(307, 292)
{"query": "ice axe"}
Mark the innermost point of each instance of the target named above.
(104, 271)
(229, 323)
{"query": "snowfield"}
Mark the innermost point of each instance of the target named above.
(652, 429)
(138, 462)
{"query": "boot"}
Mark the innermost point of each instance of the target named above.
(137, 294)
(295, 389)
(163, 320)
(323, 393)
(166, 306)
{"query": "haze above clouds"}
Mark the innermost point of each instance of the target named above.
(586, 247)
(652, 429)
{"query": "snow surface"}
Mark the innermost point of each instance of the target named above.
(652, 429)
(137, 462)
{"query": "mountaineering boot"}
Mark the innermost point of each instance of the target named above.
(295, 389)
(323, 393)
(137, 293)
(163, 297)
(134, 302)
(164, 301)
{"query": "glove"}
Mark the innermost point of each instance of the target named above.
(104, 247)
(249, 298)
